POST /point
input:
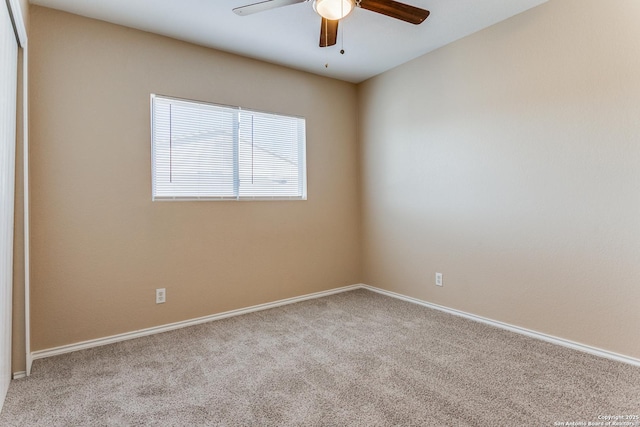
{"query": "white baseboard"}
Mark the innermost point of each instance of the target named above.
(40, 354)
(172, 326)
(19, 374)
(523, 331)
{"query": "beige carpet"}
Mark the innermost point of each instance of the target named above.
(357, 358)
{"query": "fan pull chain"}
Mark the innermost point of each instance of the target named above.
(342, 40)
(326, 41)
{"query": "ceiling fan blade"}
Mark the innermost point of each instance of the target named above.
(328, 32)
(394, 9)
(264, 5)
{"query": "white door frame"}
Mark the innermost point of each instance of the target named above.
(17, 18)
(8, 121)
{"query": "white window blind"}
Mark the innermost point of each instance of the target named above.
(215, 152)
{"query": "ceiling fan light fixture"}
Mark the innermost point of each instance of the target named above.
(333, 9)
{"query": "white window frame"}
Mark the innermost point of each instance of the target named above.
(302, 163)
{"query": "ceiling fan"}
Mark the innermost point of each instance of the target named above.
(332, 11)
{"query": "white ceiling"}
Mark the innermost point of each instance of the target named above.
(289, 35)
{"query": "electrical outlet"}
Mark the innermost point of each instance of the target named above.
(438, 279)
(161, 296)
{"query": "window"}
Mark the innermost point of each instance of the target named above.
(214, 152)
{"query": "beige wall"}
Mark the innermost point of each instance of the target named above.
(510, 162)
(99, 245)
